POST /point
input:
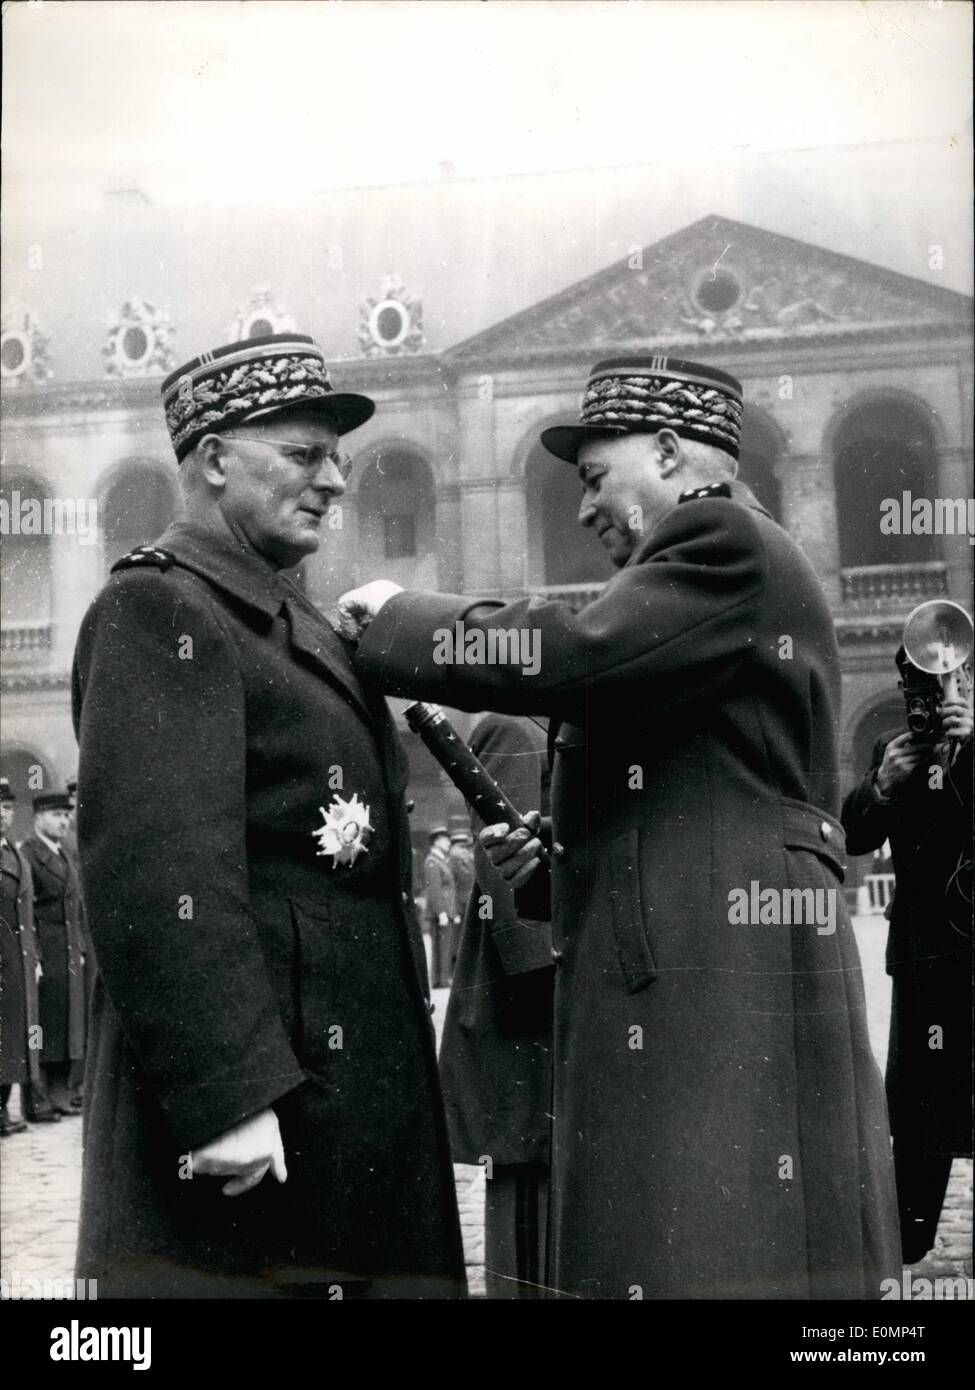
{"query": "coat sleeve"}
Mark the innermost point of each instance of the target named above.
(160, 717)
(513, 758)
(866, 820)
(25, 902)
(671, 627)
(25, 897)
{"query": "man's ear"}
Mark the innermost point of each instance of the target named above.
(668, 452)
(213, 454)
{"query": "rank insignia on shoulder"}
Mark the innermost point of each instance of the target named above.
(143, 556)
(697, 494)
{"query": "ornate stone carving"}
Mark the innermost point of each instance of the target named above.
(722, 281)
(24, 359)
(391, 323)
(140, 342)
(259, 317)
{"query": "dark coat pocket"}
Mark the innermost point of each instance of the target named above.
(350, 975)
(636, 958)
(335, 978)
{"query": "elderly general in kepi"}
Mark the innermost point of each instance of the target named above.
(720, 1129)
(263, 1115)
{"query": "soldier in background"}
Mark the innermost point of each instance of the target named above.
(70, 846)
(441, 895)
(70, 842)
(19, 972)
(56, 917)
(496, 1055)
(462, 868)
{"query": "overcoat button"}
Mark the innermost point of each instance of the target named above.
(825, 829)
(409, 807)
(556, 955)
(405, 898)
(558, 850)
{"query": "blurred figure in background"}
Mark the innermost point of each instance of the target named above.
(70, 846)
(496, 1055)
(19, 973)
(441, 908)
(57, 906)
(462, 868)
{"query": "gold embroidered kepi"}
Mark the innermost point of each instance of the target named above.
(640, 395)
(257, 376)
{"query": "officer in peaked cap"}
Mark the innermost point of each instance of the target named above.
(695, 762)
(261, 1007)
(57, 919)
(19, 973)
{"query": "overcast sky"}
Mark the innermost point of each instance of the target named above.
(230, 102)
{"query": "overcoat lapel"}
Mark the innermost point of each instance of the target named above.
(255, 584)
(312, 635)
(55, 864)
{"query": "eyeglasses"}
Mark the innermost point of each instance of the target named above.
(311, 455)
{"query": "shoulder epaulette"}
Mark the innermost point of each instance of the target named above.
(145, 555)
(698, 494)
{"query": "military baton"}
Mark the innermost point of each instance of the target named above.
(464, 769)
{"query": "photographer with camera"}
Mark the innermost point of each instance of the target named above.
(917, 795)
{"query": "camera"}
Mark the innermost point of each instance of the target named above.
(938, 640)
(922, 696)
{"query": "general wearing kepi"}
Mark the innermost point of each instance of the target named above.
(719, 1121)
(261, 1012)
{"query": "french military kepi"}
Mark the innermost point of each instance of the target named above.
(256, 377)
(641, 395)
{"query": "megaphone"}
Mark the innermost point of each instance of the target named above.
(938, 639)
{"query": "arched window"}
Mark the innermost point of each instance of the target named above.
(26, 594)
(760, 450)
(397, 518)
(883, 449)
(140, 502)
(560, 551)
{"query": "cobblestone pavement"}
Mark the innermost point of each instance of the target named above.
(40, 1175)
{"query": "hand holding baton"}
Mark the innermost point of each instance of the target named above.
(464, 769)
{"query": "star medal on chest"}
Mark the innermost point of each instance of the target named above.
(346, 829)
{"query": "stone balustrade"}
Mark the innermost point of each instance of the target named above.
(886, 589)
(25, 643)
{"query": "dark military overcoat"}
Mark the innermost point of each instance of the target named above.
(220, 721)
(928, 822)
(496, 1052)
(720, 1125)
(19, 958)
(57, 920)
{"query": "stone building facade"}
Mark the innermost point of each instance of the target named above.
(858, 389)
